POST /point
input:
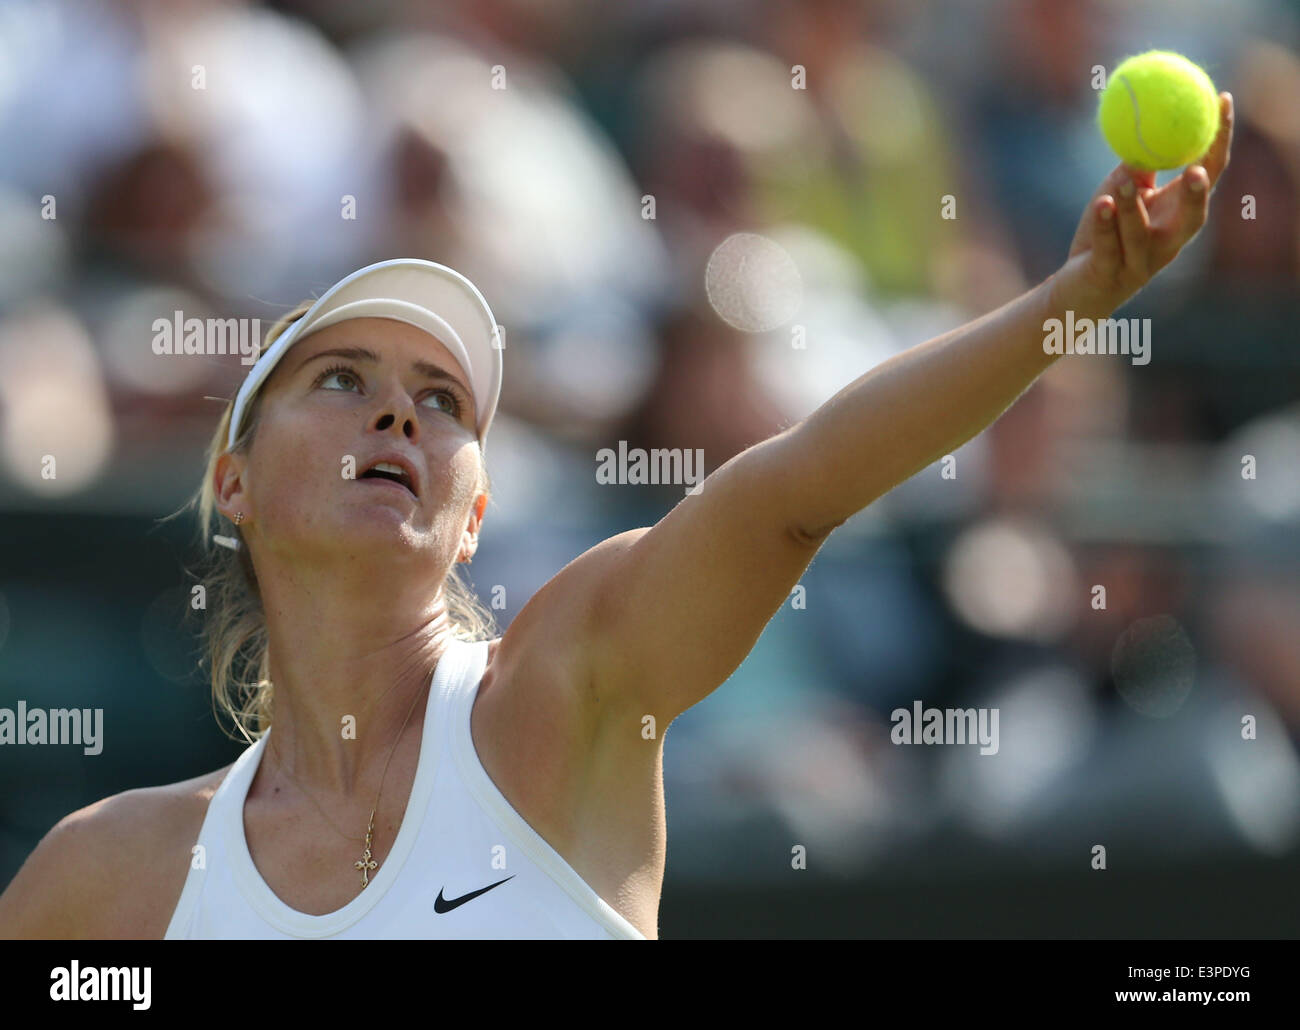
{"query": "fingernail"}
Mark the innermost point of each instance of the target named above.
(1127, 189)
(1196, 183)
(1107, 213)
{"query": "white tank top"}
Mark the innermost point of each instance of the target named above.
(465, 864)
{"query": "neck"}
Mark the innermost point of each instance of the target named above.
(351, 676)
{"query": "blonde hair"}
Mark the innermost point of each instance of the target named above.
(235, 646)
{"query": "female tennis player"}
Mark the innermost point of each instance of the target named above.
(407, 778)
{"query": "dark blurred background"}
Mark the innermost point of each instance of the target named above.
(208, 157)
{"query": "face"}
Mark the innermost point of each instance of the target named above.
(327, 416)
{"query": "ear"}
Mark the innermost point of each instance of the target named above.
(229, 488)
(469, 538)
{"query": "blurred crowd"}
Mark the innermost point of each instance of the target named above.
(652, 197)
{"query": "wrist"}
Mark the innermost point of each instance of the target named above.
(1067, 290)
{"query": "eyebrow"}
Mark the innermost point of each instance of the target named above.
(424, 368)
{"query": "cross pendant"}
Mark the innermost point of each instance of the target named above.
(366, 863)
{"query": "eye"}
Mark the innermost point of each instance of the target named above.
(338, 370)
(455, 404)
(453, 401)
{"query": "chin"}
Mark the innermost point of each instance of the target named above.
(377, 524)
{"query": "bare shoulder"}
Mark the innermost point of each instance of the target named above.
(548, 692)
(574, 593)
(82, 880)
(556, 637)
(564, 743)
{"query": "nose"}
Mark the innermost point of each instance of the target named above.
(388, 419)
(397, 409)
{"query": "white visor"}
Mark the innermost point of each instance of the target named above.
(426, 295)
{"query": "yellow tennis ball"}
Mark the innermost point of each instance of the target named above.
(1159, 110)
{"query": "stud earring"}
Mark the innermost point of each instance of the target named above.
(239, 517)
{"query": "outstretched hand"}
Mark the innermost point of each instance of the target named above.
(1130, 230)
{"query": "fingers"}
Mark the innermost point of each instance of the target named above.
(1216, 158)
(1121, 174)
(1145, 180)
(1134, 229)
(1105, 240)
(1193, 206)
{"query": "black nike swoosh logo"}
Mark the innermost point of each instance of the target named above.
(445, 905)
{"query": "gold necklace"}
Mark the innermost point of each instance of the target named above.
(365, 864)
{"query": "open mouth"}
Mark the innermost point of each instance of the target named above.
(393, 473)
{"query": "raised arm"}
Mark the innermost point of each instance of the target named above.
(675, 608)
